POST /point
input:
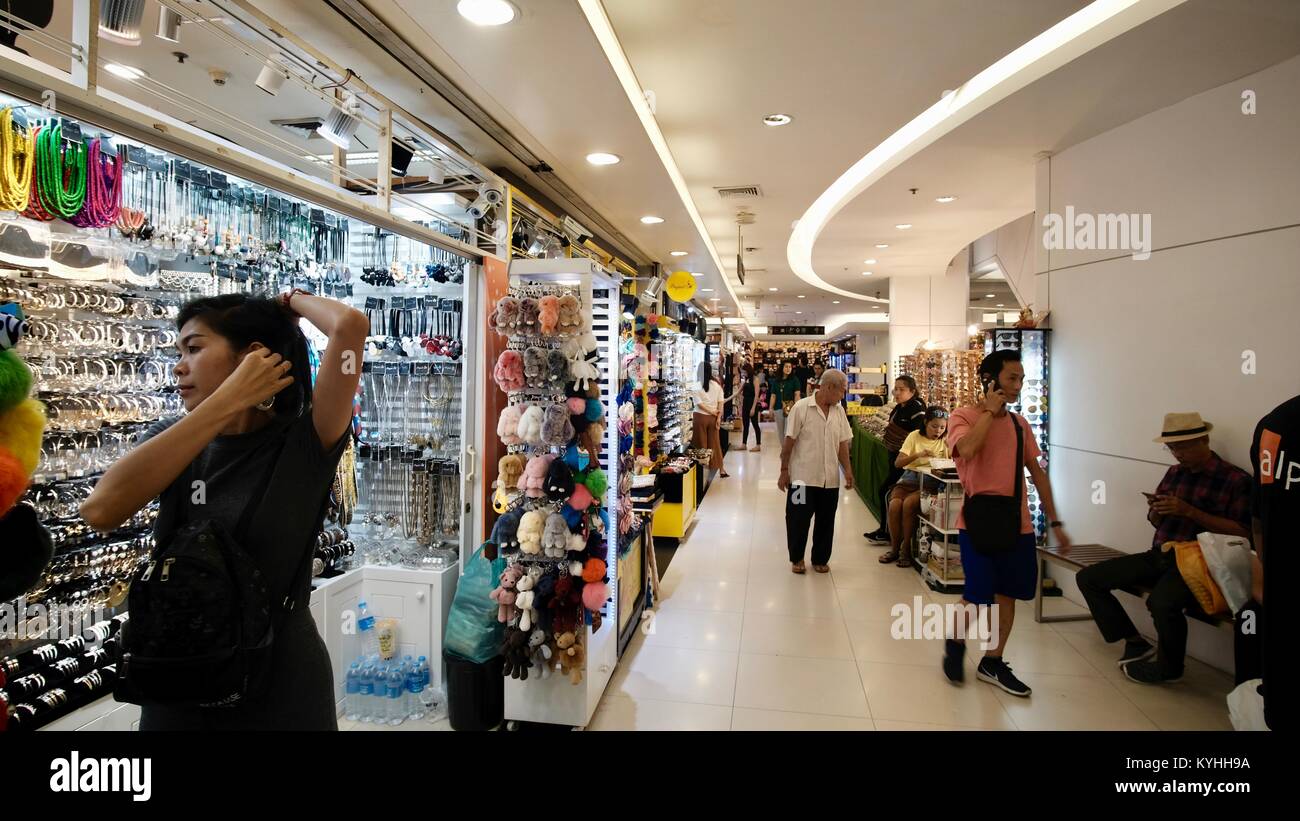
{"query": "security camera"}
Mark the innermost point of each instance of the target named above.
(478, 208)
(575, 231)
(492, 193)
(218, 76)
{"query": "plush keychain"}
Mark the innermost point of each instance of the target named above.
(528, 316)
(557, 369)
(515, 652)
(509, 469)
(504, 594)
(581, 498)
(505, 533)
(507, 315)
(572, 656)
(525, 600)
(530, 425)
(540, 653)
(530, 533)
(533, 482)
(509, 371)
(548, 315)
(571, 319)
(557, 430)
(555, 536)
(535, 367)
(596, 481)
(559, 481)
(508, 425)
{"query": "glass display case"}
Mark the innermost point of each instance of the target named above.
(1034, 345)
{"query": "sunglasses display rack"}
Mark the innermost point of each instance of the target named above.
(949, 379)
(670, 420)
(1033, 345)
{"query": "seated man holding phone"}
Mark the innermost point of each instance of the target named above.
(1200, 493)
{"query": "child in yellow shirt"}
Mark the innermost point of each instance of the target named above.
(904, 512)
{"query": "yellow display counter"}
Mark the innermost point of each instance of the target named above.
(673, 518)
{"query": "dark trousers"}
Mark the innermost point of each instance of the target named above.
(1167, 603)
(752, 419)
(895, 474)
(802, 505)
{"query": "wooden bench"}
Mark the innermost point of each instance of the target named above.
(1087, 555)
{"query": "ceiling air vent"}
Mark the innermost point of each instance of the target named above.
(737, 192)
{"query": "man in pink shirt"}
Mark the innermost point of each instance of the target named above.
(982, 440)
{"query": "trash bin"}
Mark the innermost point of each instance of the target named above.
(476, 693)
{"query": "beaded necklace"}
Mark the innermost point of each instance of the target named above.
(61, 172)
(16, 163)
(103, 199)
(34, 209)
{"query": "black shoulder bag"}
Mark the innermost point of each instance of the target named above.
(200, 632)
(993, 522)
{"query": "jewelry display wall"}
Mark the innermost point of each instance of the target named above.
(949, 379)
(672, 373)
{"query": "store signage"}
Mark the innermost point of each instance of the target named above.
(796, 330)
(681, 286)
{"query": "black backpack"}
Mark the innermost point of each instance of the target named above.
(201, 632)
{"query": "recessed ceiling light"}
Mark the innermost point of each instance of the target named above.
(989, 296)
(777, 119)
(1000, 305)
(708, 291)
(868, 262)
(125, 72)
(696, 274)
(866, 273)
(486, 12)
(835, 302)
(801, 296)
(881, 245)
(944, 199)
(652, 220)
(798, 312)
(903, 226)
(679, 253)
(773, 289)
(601, 158)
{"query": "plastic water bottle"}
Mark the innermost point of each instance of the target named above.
(352, 701)
(396, 695)
(427, 696)
(415, 693)
(366, 692)
(366, 628)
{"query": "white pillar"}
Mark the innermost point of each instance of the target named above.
(922, 308)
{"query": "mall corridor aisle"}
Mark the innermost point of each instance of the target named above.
(739, 642)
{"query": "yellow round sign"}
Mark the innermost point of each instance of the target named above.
(681, 286)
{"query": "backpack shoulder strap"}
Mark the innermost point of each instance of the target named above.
(1019, 480)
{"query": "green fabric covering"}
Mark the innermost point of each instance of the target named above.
(870, 463)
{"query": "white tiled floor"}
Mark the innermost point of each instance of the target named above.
(741, 643)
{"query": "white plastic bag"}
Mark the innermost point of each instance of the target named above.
(1246, 707)
(1228, 558)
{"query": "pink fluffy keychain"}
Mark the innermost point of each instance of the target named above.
(509, 371)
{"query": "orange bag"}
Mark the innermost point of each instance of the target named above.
(1196, 574)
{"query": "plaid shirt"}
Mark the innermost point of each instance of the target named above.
(1219, 489)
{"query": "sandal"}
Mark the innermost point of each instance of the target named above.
(904, 561)
(755, 449)
(798, 567)
(822, 568)
(891, 556)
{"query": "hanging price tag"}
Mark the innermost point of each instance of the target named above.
(422, 368)
(218, 180)
(156, 163)
(71, 130)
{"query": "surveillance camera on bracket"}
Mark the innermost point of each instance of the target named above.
(575, 231)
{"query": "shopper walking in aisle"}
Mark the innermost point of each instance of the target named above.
(253, 419)
(813, 381)
(992, 447)
(905, 499)
(708, 418)
(908, 415)
(1202, 492)
(753, 380)
(815, 449)
(1275, 504)
(784, 392)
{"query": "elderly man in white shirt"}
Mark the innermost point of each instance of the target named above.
(816, 447)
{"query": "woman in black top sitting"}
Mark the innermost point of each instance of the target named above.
(908, 415)
(252, 413)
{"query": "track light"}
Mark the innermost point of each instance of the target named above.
(169, 25)
(119, 21)
(341, 123)
(271, 77)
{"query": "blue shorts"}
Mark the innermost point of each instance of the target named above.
(1013, 573)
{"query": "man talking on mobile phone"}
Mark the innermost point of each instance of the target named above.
(1202, 492)
(1001, 567)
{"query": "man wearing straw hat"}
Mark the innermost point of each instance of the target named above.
(1200, 493)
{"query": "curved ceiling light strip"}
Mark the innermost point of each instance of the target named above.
(594, 11)
(1074, 36)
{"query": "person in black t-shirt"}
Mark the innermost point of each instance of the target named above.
(1275, 500)
(908, 415)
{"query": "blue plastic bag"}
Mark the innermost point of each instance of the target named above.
(473, 632)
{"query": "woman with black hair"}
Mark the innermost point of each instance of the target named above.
(708, 418)
(908, 415)
(253, 419)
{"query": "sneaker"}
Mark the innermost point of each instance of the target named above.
(1138, 650)
(954, 655)
(1148, 672)
(877, 537)
(997, 672)
(18, 248)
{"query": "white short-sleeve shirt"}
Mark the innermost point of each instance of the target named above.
(815, 460)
